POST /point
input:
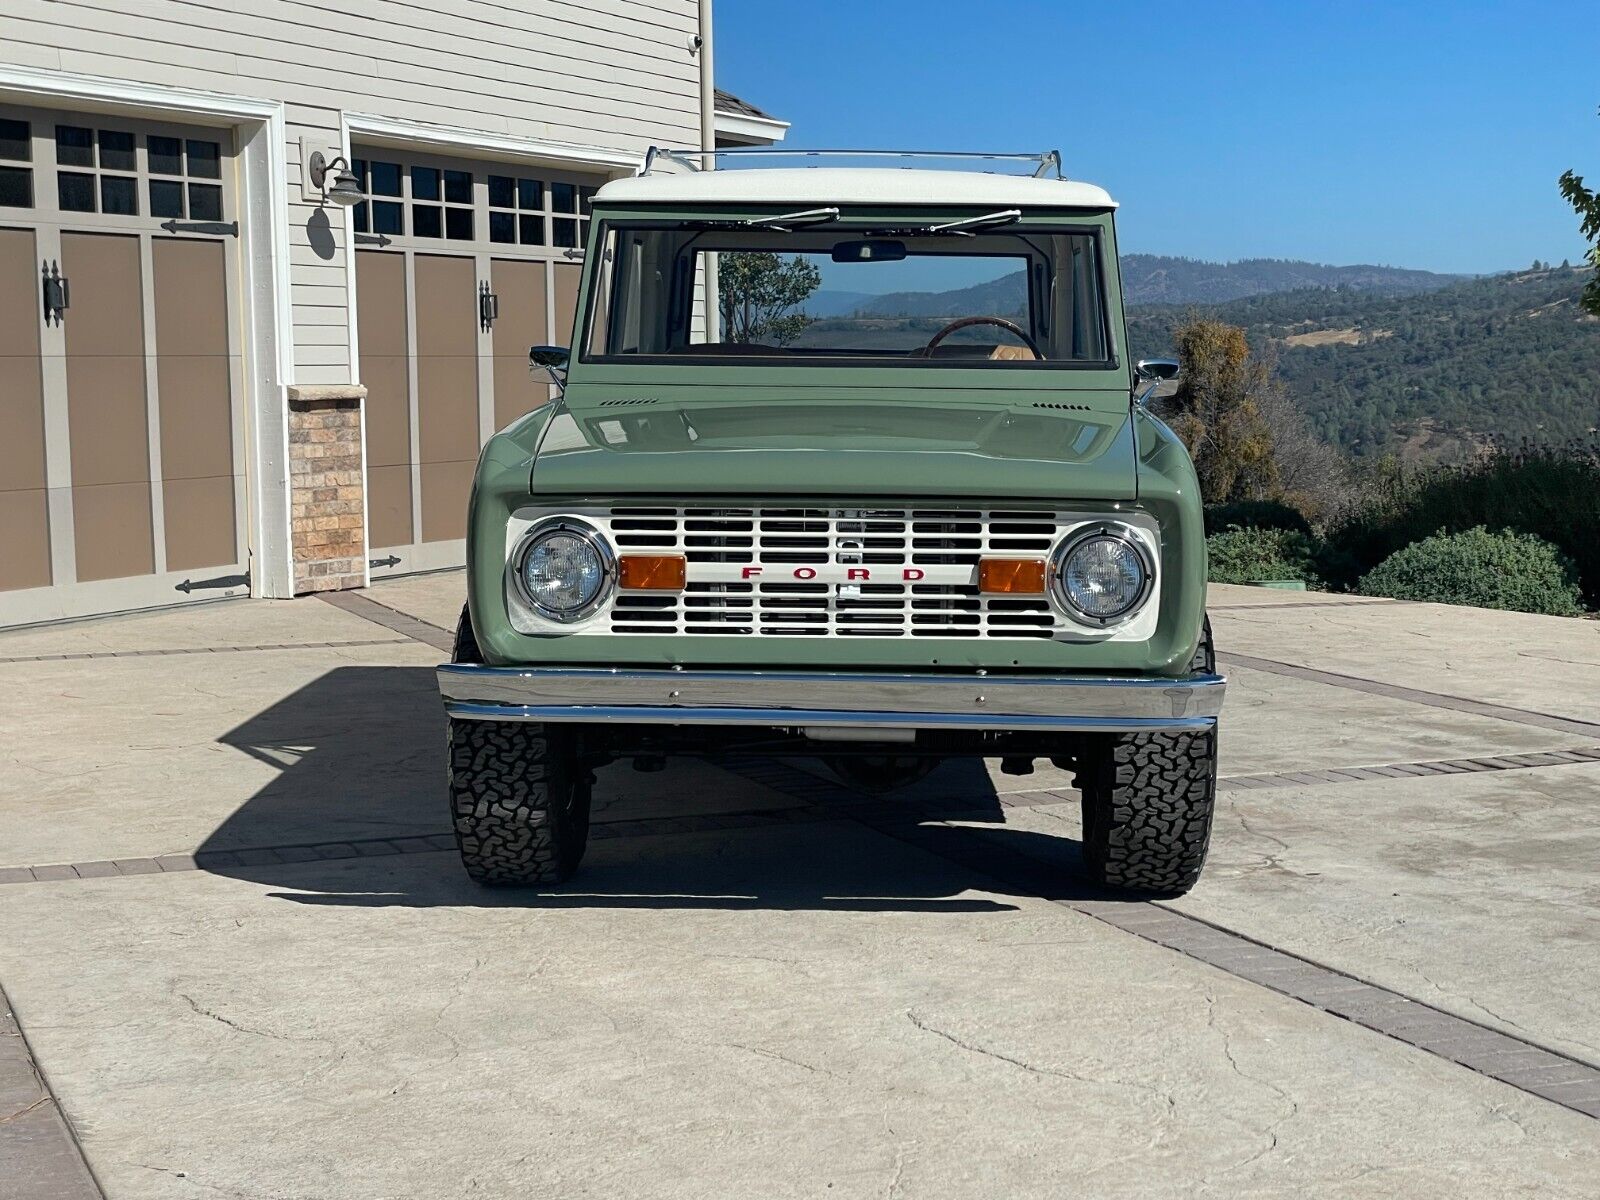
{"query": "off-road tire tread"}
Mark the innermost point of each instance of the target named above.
(1148, 801)
(508, 784)
(509, 781)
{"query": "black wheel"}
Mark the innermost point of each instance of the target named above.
(519, 801)
(1148, 800)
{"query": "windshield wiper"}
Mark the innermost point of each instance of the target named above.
(961, 228)
(783, 222)
(965, 226)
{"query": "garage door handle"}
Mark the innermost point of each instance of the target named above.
(57, 292)
(488, 306)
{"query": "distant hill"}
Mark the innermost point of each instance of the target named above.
(1158, 279)
(832, 303)
(1502, 358)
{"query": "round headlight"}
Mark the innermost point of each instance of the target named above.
(1103, 576)
(565, 570)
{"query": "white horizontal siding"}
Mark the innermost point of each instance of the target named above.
(613, 73)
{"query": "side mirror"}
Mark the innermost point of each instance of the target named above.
(1153, 372)
(1158, 369)
(552, 360)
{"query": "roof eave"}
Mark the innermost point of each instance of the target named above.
(749, 131)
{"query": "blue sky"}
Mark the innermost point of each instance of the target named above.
(1410, 134)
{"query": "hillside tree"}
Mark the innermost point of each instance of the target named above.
(1586, 202)
(759, 296)
(1248, 438)
(1216, 410)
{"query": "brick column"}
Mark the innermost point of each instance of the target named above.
(327, 505)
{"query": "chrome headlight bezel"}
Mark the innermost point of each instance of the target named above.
(585, 532)
(1113, 531)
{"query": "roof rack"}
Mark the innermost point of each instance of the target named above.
(1046, 162)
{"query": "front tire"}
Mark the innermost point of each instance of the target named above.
(1148, 800)
(518, 802)
(519, 799)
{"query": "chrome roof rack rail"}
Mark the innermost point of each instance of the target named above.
(1045, 163)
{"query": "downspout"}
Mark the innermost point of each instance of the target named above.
(708, 160)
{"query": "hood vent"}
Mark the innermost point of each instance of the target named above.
(629, 402)
(1058, 405)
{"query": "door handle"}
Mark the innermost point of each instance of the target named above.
(488, 306)
(57, 292)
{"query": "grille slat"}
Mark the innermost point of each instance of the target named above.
(778, 541)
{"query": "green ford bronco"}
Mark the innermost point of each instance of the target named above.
(848, 463)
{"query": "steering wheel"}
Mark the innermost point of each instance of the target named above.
(1008, 326)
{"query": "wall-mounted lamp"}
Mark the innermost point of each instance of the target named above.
(345, 189)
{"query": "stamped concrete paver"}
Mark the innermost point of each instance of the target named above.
(1473, 893)
(435, 598)
(795, 1011)
(775, 1008)
(1546, 664)
(212, 626)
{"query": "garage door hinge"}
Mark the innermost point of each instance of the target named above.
(392, 561)
(220, 581)
(231, 228)
(371, 239)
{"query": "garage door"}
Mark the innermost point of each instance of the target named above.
(121, 478)
(460, 267)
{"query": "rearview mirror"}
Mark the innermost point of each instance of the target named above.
(869, 250)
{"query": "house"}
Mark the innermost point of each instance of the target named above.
(220, 380)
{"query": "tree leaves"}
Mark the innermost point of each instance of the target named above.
(758, 293)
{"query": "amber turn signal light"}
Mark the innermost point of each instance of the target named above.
(1011, 575)
(653, 572)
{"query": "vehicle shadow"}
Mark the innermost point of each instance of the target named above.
(359, 756)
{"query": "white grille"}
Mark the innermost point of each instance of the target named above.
(835, 572)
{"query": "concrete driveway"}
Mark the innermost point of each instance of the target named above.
(245, 962)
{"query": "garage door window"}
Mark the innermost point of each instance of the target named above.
(16, 146)
(525, 212)
(179, 168)
(377, 215)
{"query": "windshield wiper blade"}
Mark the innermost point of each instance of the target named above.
(783, 222)
(965, 226)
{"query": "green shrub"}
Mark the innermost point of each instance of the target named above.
(1247, 555)
(1553, 494)
(1255, 514)
(1487, 570)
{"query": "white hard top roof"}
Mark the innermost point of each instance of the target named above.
(803, 186)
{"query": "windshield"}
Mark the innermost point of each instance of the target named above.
(818, 292)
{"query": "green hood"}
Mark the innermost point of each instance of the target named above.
(1046, 446)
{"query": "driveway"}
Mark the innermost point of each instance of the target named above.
(245, 962)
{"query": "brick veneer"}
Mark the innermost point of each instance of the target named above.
(327, 511)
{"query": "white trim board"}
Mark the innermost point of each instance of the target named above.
(477, 143)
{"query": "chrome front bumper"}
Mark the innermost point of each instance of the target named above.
(1080, 703)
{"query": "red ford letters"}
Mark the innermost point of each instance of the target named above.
(854, 574)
